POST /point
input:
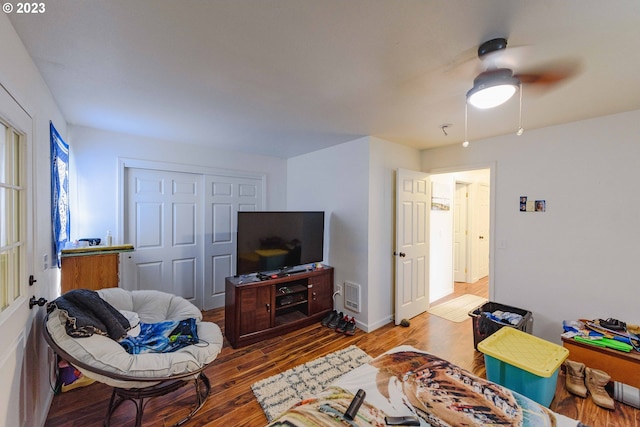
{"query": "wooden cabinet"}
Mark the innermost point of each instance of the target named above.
(255, 309)
(320, 294)
(94, 268)
(89, 272)
(259, 309)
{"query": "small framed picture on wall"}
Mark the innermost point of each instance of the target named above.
(523, 203)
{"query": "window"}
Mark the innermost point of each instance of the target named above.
(12, 212)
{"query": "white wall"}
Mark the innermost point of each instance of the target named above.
(335, 180)
(574, 260)
(441, 240)
(354, 183)
(95, 158)
(20, 77)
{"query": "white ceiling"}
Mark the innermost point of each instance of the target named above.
(285, 77)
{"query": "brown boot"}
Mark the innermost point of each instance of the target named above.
(596, 380)
(574, 381)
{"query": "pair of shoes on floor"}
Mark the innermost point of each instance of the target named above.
(340, 322)
(346, 326)
(331, 319)
(581, 381)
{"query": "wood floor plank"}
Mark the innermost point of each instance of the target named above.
(232, 403)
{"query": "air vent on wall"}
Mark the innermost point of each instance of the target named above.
(352, 296)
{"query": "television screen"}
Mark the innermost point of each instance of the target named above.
(269, 241)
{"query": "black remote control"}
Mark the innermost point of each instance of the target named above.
(352, 410)
(407, 420)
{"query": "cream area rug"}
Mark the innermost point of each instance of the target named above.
(278, 393)
(457, 310)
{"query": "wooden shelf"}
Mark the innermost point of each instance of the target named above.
(283, 305)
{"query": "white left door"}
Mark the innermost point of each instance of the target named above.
(164, 224)
(413, 194)
(19, 368)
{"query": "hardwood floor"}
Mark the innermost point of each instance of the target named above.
(232, 403)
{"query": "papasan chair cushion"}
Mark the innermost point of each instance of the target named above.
(104, 359)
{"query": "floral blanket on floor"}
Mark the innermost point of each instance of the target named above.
(408, 381)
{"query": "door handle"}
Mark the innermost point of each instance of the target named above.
(401, 254)
(39, 302)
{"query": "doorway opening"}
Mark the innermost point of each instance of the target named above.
(460, 234)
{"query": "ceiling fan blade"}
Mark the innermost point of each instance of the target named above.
(464, 65)
(548, 75)
(509, 57)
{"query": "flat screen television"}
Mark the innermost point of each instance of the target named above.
(275, 240)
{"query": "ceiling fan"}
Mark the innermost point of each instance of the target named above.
(498, 82)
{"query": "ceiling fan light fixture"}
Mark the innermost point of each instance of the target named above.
(492, 88)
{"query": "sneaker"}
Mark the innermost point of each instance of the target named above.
(342, 324)
(350, 329)
(334, 322)
(329, 317)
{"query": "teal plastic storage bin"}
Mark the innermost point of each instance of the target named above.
(523, 363)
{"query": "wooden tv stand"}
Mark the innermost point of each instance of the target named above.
(621, 366)
(260, 309)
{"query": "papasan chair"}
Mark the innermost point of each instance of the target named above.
(134, 377)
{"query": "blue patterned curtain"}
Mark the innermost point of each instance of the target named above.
(59, 193)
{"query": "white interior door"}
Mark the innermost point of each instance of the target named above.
(460, 232)
(224, 197)
(483, 230)
(164, 223)
(22, 364)
(412, 244)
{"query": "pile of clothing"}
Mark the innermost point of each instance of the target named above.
(611, 333)
(506, 317)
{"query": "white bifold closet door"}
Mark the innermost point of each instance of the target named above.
(183, 228)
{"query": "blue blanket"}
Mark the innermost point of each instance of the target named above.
(163, 337)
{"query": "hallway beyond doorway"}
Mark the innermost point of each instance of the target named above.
(480, 288)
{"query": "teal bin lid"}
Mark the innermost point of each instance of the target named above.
(524, 351)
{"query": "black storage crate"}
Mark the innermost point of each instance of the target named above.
(484, 326)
